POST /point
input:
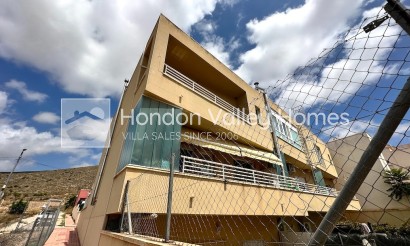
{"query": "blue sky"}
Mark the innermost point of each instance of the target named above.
(66, 49)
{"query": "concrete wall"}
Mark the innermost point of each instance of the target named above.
(292, 237)
(373, 195)
(397, 157)
(75, 214)
(217, 230)
(213, 196)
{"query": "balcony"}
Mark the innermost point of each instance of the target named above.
(205, 93)
(225, 172)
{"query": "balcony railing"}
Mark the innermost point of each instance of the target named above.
(192, 85)
(217, 170)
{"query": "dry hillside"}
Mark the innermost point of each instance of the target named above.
(40, 186)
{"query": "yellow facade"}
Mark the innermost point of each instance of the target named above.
(169, 46)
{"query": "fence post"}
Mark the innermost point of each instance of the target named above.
(389, 124)
(183, 164)
(31, 232)
(169, 205)
(43, 221)
(128, 214)
(124, 201)
(399, 13)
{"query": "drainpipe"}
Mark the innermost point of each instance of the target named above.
(272, 128)
(97, 184)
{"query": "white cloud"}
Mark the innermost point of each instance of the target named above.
(215, 44)
(285, 40)
(46, 117)
(216, 47)
(84, 164)
(400, 135)
(361, 67)
(88, 47)
(28, 95)
(345, 130)
(3, 101)
(19, 136)
(88, 132)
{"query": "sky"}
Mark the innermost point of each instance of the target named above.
(51, 50)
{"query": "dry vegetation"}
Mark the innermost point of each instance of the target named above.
(40, 186)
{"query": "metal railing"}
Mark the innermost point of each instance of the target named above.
(217, 170)
(192, 85)
(44, 225)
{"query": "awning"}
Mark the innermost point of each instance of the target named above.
(231, 147)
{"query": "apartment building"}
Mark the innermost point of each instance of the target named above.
(238, 183)
(376, 205)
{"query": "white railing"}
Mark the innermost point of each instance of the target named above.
(232, 173)
(192, 85)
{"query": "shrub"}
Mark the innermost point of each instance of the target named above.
(17, 207)
(397, 179)
(70, 202)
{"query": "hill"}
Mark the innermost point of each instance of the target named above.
(40, 186)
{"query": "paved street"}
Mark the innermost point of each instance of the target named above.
(64, 235)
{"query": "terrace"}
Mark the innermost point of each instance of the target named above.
(225, 172)
(205, 93)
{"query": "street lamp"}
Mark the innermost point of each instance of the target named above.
(8, 178)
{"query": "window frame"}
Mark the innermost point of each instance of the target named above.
(258, 115)
(283, 129)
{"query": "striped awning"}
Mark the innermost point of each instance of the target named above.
(230, 147)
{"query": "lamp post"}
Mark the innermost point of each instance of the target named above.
(8, 178)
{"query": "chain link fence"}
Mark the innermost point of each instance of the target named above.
(44, 224)
(16, 232)
(339, 173)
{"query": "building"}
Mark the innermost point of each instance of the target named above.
(376, 206)
(79, 203)
(397, 157)
(231, 184)
(81, 196)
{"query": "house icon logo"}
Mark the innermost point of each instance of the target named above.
(85, 122)
(78, 115)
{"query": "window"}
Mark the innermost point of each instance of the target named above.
(319, 155)
(286, 131)
(258, 115)
(295, 137)
(291, 168)
(149, 144)
(318, 176)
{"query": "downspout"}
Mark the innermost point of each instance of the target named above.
(97, 184)
(272, 128)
